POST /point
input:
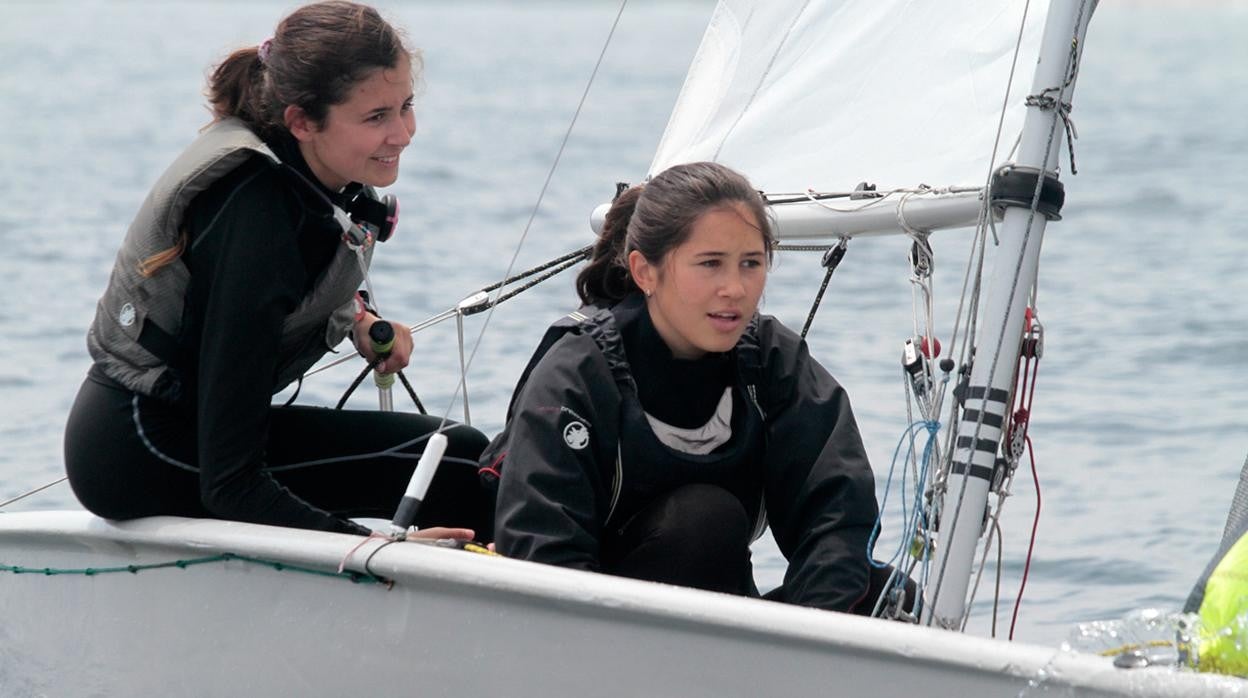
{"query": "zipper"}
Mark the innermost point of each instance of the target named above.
(752, 391)
(760, 523)
(617, 484)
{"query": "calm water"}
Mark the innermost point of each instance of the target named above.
(1139, 423)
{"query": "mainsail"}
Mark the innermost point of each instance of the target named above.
(824, 94)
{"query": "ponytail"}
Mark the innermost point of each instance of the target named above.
(236, 89)
(606, 279)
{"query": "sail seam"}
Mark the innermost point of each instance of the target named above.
(761, 81)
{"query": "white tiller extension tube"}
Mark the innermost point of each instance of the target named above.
(409, 507)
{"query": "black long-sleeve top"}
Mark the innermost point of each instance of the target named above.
(259, 240)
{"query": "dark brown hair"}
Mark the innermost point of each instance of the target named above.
(316, 54)
(657, 217)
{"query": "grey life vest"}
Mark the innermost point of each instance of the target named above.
(138, 317)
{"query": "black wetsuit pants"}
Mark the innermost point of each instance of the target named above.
(696, 535)
(699, 536)
(128, 456)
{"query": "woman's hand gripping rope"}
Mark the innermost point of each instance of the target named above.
(387, 346)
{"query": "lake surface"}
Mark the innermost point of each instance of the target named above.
(1139, 423)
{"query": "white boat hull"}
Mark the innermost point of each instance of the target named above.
(456, 624)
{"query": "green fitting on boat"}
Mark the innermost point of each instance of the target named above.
(917, 546)
(1223, 636)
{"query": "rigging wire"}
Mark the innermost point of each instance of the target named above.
(996, 593)
(36, 490)
(460, 386)
(1070, 72)
(985, 216)
(469, 308)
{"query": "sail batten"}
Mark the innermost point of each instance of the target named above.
(824, 94)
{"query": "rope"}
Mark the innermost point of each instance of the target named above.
(355, 577)
(412, 392)
(1045, 102)
(1135, 646)
(932, 429)
(563, 263)
(572, 257)
(994, 534)
(831, 259)
(358, 379)
(914, 519)
(1035, 524)
(787, 247)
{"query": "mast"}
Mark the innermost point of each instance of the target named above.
(964, 499)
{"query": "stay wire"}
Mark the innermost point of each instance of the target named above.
(1067, 82)
(994, 529)
(36, 490)
(460, 386)
(979, 242)
(996, 594)
(1069, 72)
(572, 258)
(986, 216)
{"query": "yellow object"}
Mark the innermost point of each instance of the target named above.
(1223, 644)
(917, 545)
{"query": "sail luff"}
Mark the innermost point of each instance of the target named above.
(1022, 231)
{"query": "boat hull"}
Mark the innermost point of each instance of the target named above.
(274, 618)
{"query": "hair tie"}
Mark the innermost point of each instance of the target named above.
(265, 47)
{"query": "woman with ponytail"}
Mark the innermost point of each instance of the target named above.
(241, 269)
(657, 430)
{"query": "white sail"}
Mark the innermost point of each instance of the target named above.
(824, 94)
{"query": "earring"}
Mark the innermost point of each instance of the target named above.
(648, 293)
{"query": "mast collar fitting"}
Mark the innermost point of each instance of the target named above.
(1013, 185)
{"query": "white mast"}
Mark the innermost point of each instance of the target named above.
(962, 510)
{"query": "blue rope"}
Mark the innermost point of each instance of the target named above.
(897, 580)
(912, 521)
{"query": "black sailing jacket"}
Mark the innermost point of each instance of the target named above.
(556, 485)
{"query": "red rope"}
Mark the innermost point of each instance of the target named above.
(1025, 389)
(1035, 524)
